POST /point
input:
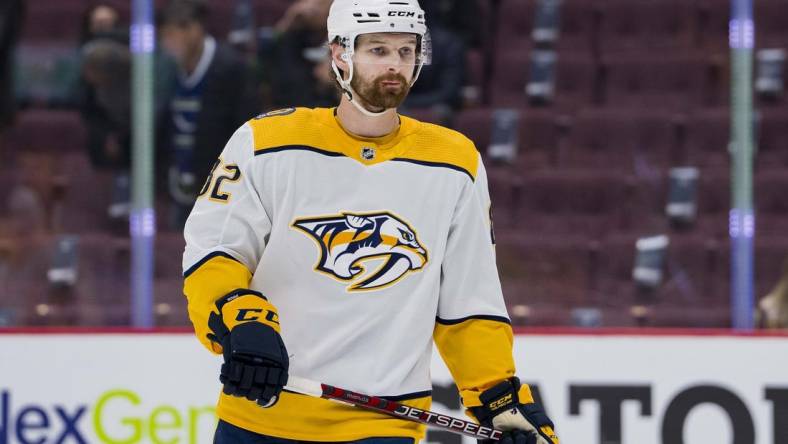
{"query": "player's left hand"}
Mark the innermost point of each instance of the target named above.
(522, 420)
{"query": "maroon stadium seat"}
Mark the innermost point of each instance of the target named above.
(592, 203)
(772, 138)
(770, 202)
(61, 20)
(169, 255)
(643, 81)
(87, 195)
(538, 134)
(644, 26)
(771, 23)
(515, 21)
(542, 270)
(654, 136)
(170, 303)
(510, 77)
(476, 124)
(475, 77)
(714, 201)
(711, 19)
(576, 74)
(574, 79)
(580, 20)
(694, 266)
(771, 252)
(601, 139)
(708, 134)
(53, 131)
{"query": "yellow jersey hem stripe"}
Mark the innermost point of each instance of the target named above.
(399, 398)
(262, 430)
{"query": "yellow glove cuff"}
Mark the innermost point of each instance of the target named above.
(470, 398)
(248, 306)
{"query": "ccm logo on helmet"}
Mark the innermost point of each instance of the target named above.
(401, 14)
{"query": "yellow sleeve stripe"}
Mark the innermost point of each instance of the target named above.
(478, 352)
(206, 282)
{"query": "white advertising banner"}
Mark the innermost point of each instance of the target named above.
(599, 389)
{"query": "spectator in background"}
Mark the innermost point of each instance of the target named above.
(100, 20)
(455, 27)
(773, 308)
(104, 100)
(11, 14)
(325, 92)
(106, 109)
(460, 17)
(213, 96)
(297, 50)
(440, 83)
(103, 94)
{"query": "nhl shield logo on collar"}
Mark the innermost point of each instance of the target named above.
(367, 153)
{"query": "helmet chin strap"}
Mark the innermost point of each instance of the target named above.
(350, 93)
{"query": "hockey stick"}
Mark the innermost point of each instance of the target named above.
(402, 411)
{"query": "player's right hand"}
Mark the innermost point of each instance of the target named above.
(255, 358)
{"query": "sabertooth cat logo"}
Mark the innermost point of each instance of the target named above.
(349, 242)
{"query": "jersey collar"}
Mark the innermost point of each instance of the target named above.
(367, 150)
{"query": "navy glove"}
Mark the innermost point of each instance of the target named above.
(255, 358)
(521, 419)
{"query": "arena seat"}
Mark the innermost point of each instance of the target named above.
(675, 81)
(46, 130)
(515, 19)
(772, 22)
(643, 26)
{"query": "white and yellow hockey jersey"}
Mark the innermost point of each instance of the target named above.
(370, 249)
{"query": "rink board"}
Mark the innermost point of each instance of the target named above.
(125, 387)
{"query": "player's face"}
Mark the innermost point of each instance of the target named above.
(383, 68)
(181, 41)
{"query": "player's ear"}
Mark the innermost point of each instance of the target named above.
(337, 51)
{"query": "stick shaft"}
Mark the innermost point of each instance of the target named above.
(392, 408)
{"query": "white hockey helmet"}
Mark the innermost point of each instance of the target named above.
(348, 19)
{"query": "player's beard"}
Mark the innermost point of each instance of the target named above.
(378, 97)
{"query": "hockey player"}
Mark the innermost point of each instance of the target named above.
(338, 244)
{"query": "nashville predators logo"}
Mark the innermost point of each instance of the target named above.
(350, 242)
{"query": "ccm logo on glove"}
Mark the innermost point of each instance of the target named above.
(250, 314)
(500, 403)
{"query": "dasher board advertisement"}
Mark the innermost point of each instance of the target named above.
(626, 388)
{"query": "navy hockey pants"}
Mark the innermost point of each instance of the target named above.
(227, 433)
